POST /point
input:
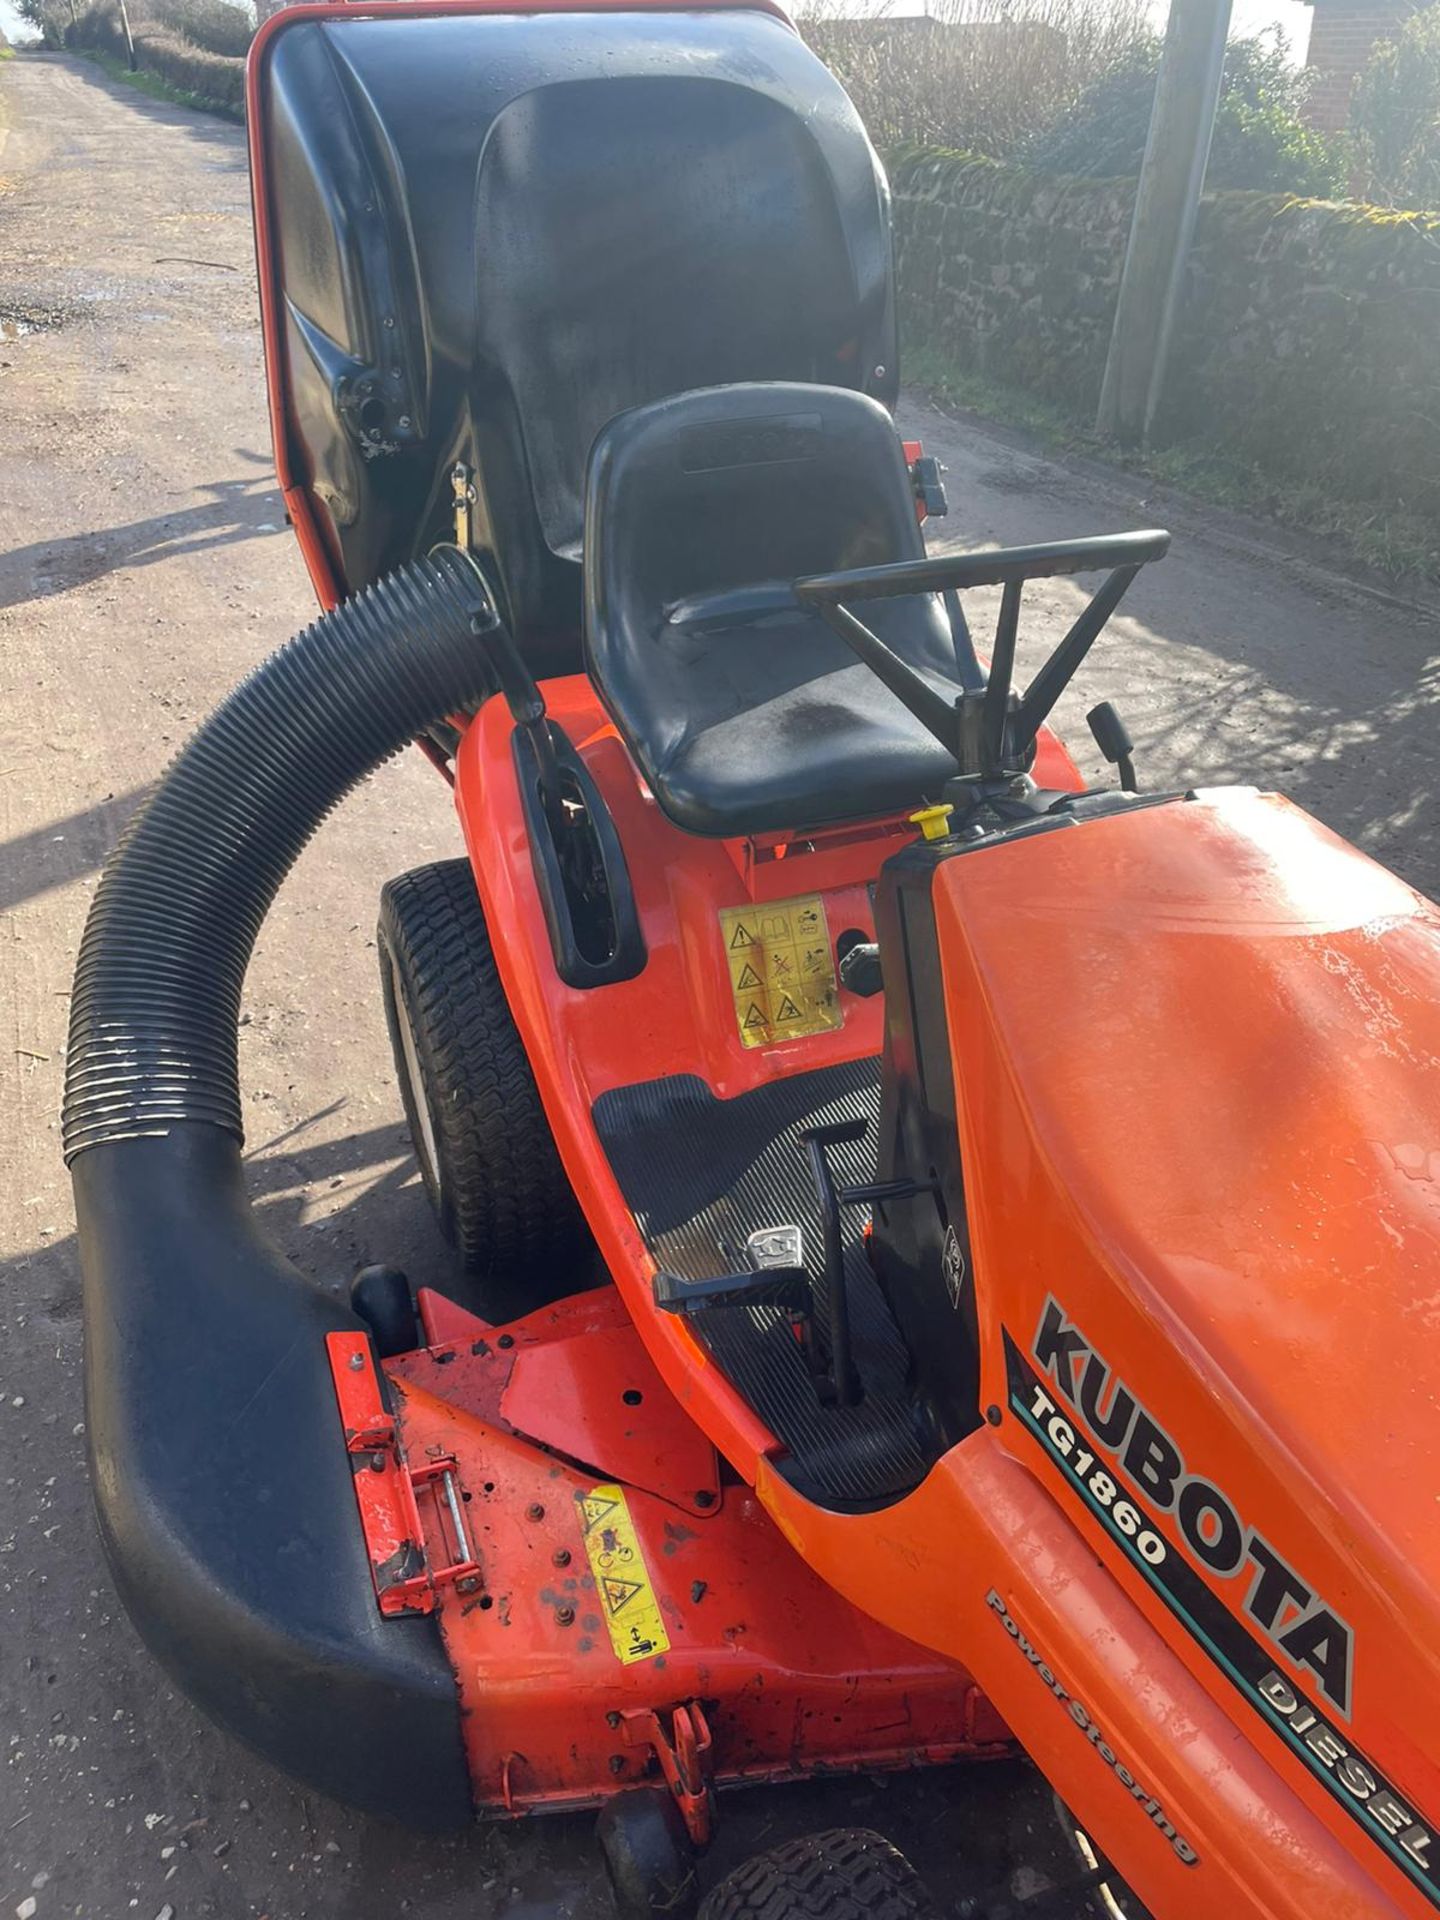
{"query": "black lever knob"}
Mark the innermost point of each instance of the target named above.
(927, 478)
(860, 969)
(1112, 737)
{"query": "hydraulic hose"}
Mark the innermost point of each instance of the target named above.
(222, 1481)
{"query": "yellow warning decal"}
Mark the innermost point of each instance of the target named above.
(782, 970)
(622, 1580)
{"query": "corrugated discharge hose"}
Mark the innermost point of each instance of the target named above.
(157, 988)
(222, 1480)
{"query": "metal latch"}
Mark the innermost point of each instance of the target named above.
(388, 1491)
(463, 497)
(684, 1750)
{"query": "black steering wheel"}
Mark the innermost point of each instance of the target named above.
(990, 733)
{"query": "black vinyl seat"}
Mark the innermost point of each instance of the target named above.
(746, 712)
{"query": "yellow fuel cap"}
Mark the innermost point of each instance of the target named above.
(933, 822)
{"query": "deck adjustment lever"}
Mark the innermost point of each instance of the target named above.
(843, 1380)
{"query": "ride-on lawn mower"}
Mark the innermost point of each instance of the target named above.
(970, 1244)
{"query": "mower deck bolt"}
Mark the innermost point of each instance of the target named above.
(565, 1616)
(992, 1414)
(356, 1362)
(617, 1763)
(704, 1498)
(562, 1557)
(377, 1463)
(534, 1511)
(467, 1585)
(506, 1340)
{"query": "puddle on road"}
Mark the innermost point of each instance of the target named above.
(21, 317)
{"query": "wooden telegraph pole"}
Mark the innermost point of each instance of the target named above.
(1181, 123)
(129, 37)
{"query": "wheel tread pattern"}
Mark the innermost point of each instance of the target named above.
(505, 1203)
(845, 1874)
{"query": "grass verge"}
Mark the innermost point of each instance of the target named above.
(1404, 548)
(158, 88)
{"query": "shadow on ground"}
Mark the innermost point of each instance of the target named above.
(236, 510)
(1356, 749)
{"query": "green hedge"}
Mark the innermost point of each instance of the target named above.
(217, 79)
(1309, 333)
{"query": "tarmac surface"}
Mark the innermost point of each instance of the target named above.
(144, 567)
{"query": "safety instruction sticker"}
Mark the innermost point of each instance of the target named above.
(622, 1580)
(782, 970)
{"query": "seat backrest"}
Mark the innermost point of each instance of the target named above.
(637, 238)
(728, 486)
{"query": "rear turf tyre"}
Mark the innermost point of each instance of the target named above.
(486, 1153)
(846, 1874)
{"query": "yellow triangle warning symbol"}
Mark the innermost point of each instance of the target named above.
(754, 1017)
(619, 1593)
(594, 1509)
(788, 1010)
(749, 977)
(742, 936)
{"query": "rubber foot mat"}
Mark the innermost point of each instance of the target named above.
(700, 1176)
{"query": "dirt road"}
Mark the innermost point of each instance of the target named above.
(143, 568)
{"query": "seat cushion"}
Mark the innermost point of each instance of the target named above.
(746, 712)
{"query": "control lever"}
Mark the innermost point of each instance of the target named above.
(844, 1378)
(1113, 739)
(927, 478)
(526, 702)
(787, 1287)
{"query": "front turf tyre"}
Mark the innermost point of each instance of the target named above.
(486, 1153)
(382, 1298)
(846, 1874)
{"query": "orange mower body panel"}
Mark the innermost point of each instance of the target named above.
(1189, 1554)
(679, 1014)
(1195, 1052)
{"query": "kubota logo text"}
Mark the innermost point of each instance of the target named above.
(1128, 1471)
(1281, 1604)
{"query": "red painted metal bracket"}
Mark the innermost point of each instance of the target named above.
(406, 1578)
(684, 1751)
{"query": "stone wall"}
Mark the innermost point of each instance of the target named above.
(1309, 334)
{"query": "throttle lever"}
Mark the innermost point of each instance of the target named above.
(1112, 737)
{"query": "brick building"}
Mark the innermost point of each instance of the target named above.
(1341, 37)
